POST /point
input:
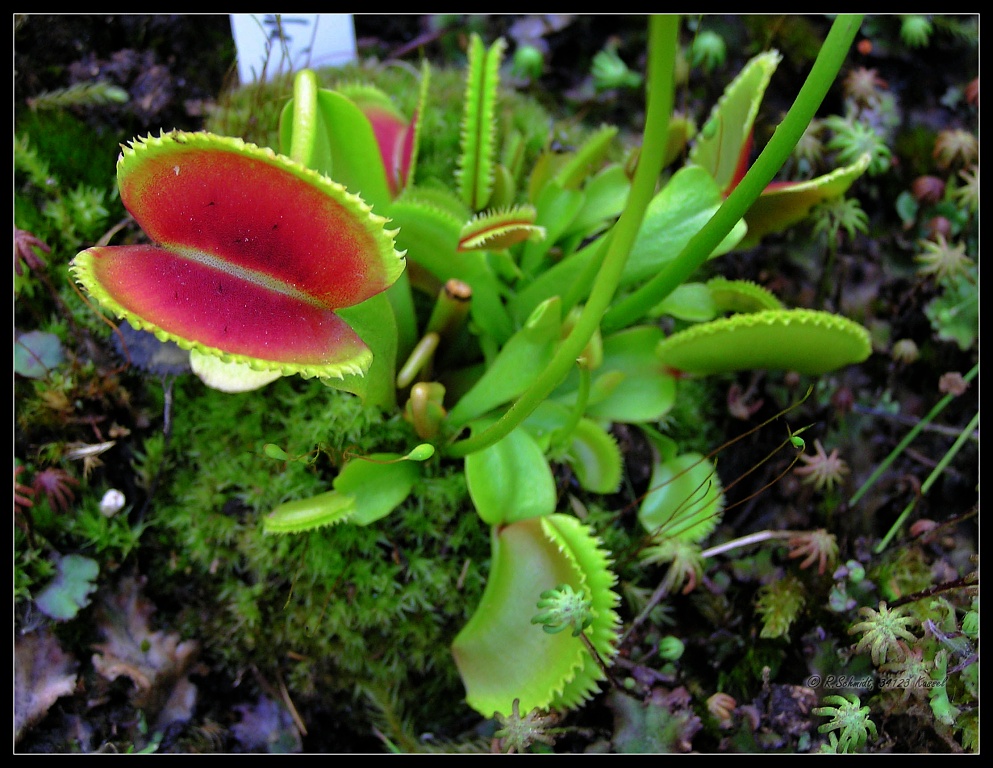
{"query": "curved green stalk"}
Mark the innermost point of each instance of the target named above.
(661, 67)
(581, 285)
(305, 118)
(564, 433)
(908, 439)
(822, 75)
(419, 359)
(926, 485)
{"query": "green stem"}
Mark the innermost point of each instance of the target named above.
(599, 661)
(697, 251)
(663, 40)
(450, 309)
(938, 408)
(581, 285)
(304, 136)
(947, 458)
(564, 434)
(419, 359)
(935, 474)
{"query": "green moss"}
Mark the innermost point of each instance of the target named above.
(71, 149)
(749, 666)
(779, 604)
(334, 608)
(693, 421)
(905, 573)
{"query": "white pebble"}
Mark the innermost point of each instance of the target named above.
(111, 503)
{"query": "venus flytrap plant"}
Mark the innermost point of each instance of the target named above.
(531, 556)
(476, 168)
(742, 197)
(554, 340)
(246, 277)
(724, 145)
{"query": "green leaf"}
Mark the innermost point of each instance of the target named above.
(376, 487)
(552, 281)
(303, 134)
(70, 590)
(722, 144)
(301, 515)
(741, 296)
(393, 133)
(941, 705)
(430, 225)
(401, 298)
(631, 385)
(604, 197)
(476, 161)
(515, 367)
(802, 340)
(588, 447)
(590, 155)
(510, 480)
(907, 208)
(273, 451)
(429, 228)
(500, 655)
(692, 302)
(556, 207)
(334, 137)
(674, 216)
(374, 320)
(595, 457)
(784, 204)
(36, 353)
(685, 499)
(954, 314)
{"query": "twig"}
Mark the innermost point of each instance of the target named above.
(909, 421)
(926, 485)
(884, 465)
(289, 705)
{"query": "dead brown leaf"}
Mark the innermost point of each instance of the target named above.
(43, 673)
(158, 663)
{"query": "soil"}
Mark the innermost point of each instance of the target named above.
(174, 66)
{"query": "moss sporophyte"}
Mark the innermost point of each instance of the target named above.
(307, 261)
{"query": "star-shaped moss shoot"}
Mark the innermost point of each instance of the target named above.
(250, 256)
